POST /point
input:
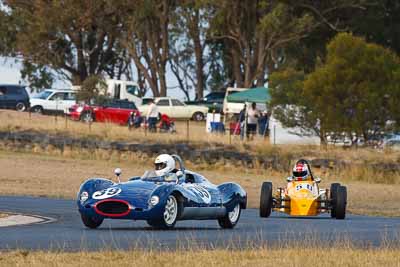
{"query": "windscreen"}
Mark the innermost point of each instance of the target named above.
(152, 176)
(43, 95)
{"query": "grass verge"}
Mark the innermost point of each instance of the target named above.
(58, 176)
(286, 256)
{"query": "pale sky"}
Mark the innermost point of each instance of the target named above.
(10, 74)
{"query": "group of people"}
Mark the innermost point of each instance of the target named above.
(251, 119)
(152, 117)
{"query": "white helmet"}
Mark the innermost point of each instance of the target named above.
(164, 164)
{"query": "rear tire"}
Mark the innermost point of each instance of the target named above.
(198, 116)
(333, 192)
(231, 218)
(91, 222)
(266, 200)
(341, 201)
(20, 106)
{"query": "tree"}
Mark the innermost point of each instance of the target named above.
(257, 32)
(356, 91)
(75, 38)
(188, 46)
(147, 41)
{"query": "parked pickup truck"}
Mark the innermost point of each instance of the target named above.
(214, 101)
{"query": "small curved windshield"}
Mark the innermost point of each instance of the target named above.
(152, 176)
(43, 95)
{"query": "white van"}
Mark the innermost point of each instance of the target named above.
(230, 107)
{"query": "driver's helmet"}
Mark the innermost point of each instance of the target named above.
(164, 164)
(301, 172)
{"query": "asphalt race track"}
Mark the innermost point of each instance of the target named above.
(68, 233)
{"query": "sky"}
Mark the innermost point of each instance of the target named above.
(10, 74)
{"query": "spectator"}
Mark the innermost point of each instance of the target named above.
(263, 124)
(252, 116)
(152, 116)
(242, 118)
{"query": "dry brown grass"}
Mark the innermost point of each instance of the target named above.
(12, 120)
(57, 176)
(287, 256)
(3, 215)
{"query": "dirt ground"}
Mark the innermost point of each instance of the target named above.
(59, 177)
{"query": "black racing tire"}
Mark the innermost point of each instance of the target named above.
(333, 194)
(231, 218)
(166, 222)
(266, 200)
(341, 202)
(87, 117)
(37, 109)
(91, 222)
(20, 106)
(198, 116)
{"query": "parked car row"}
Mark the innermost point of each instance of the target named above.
(14, 97)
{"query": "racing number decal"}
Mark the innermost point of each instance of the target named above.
(304, 186)
(200, 192)
(106, 193)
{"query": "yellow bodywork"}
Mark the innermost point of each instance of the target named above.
(301, 198)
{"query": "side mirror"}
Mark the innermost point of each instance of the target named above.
(289, 179)
(179, 174)
(317, 180)
(117, 173)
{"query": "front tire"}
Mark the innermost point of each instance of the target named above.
(170, 215)
(231, 218)
(37, 109)
(198, 116)
(341, 201)
(333, 190)
(266, 200)
(87, 117)
(91, 222)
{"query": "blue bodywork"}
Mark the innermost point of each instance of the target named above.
(199, 198)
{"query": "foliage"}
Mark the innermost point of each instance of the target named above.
(356, 91)
(92, 89)
(39, 77)
(75, 38)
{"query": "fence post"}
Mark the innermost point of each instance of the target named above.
(274, 134)
(230, 134)
(187, 131)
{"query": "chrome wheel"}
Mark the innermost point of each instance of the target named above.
(87, 117)
(20, 106)
(234, 214)
(171, 210)
(198, 116)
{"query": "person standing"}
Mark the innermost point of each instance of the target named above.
(242, 118)
(152, 116)
(252, 117)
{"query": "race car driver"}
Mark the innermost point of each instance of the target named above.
(301, 172)
(165, 165)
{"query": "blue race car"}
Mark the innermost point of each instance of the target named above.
(161, 200)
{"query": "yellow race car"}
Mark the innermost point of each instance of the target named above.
(304, 198)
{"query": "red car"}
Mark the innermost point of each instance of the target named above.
(116, 111)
